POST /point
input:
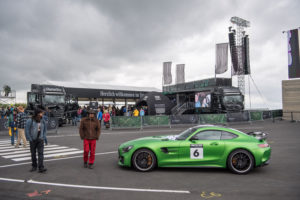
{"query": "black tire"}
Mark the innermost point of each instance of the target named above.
(144, 160)
(240, 161)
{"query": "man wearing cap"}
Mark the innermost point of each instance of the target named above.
(21, 121)
(89, 132)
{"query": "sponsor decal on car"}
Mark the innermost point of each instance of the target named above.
(196, 151)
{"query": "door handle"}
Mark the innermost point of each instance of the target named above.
(214, 143)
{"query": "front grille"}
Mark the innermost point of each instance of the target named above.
(121, 159)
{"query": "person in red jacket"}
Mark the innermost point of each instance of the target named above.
(89, 132)
(106, 118)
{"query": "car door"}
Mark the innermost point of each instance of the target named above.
(204, 148)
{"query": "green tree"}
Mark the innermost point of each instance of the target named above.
(7, 90)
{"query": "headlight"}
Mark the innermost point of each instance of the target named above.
(126, 149)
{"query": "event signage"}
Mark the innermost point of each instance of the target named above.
(104, 93)
(202, 99)
(197, 85)
(221, 58)
(294, 53)
(167, 73)
(53, 90)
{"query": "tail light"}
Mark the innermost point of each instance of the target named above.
(265, 145)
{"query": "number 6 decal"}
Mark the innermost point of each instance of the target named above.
(196, 151)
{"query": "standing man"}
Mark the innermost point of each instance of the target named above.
(46, 119)
(36, 131)
(89, 132)
(74, 118)
(12, 124)
(84, 112)
(2, 113)
(142, 112)
(21, 121)
(99, 115)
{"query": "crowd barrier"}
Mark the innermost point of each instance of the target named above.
(169, 120)
(52, 123)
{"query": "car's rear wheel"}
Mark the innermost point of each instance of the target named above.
(144, 160)
(240, 161)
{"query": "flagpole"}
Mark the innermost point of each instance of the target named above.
(216, 65)
(249, 91)
(215, 76)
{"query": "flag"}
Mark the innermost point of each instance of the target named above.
(180, 73)
(167, 73)
(221, 58)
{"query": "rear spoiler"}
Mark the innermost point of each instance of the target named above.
(258, 135)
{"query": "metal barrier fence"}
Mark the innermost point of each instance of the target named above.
(170, 120)
(52, 123)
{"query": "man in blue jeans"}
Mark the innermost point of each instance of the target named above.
(12, 124)
(36, 131)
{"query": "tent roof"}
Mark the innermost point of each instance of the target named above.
(95, 85)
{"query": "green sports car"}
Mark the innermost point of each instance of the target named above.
(199, 146)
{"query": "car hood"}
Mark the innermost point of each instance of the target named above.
(159, 138)
(152, 139)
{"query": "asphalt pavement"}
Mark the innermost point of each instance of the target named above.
(67, 179)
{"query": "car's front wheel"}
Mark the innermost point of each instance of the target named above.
(240, 161)
(144, 160)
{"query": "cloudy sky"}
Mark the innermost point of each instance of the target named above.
(124, 42)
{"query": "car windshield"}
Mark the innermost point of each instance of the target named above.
(54, 99)
(185, 134)
(32, 98)
(233, 99)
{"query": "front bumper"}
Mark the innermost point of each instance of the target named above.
(124, 158)
(121, 158)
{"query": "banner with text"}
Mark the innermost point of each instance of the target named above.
(294, 53)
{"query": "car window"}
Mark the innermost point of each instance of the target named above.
(185, 134)
(208, 135)
(227, 135)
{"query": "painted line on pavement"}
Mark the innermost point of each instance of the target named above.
(55, 159)
(3, 145)
(50, 155)
(96, 187)
(28, 150)
(45, 153)
(20, 149)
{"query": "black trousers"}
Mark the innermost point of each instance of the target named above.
(39, 146)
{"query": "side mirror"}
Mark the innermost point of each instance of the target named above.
(193, 138)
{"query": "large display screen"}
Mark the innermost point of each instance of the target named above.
(202, 99)
(294, 53)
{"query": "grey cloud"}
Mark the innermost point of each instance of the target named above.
(105, 40)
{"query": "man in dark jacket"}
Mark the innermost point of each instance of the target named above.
(36, 131)
(89, 132)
